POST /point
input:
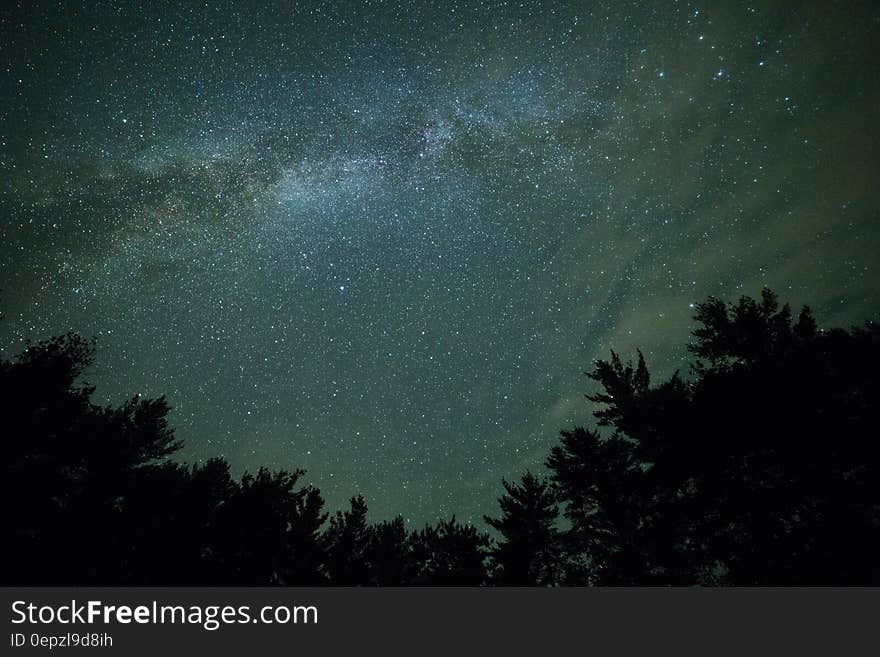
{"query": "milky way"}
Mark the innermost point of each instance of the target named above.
(382, 241)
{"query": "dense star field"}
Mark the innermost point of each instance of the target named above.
(382, 241)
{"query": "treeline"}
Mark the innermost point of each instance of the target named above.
(759, 468)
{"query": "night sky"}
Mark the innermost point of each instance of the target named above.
(382, 241)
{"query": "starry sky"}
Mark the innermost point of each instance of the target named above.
(383, 240)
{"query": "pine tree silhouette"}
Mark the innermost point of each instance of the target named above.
(530, 554)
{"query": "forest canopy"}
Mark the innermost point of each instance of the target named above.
(757, 467)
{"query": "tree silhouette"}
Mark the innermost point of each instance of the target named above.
(68, 462)
(758, 468)
(96, 500)
(389, 554)
(530, 554)
(761, 470)
(794, 461)
(748, 331)
(253, 530)
(346, 542)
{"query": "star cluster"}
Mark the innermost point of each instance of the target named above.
(382, 240)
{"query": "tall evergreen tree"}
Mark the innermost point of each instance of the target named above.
(530, 552)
